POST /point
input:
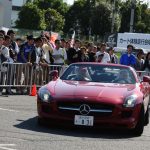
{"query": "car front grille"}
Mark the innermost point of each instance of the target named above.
(96, 109)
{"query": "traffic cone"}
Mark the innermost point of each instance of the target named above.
(33, 91)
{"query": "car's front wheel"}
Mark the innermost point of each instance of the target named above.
(138, 130)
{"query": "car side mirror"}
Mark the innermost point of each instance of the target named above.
(54, 74)
(146, 79)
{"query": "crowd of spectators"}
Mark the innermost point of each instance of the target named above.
(40, 51)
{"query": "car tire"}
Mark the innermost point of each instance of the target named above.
(146, 121)
(138, 130)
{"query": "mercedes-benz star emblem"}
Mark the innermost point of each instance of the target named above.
(84, 109)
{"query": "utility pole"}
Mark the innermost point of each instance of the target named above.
(133, 4)
(113, 16)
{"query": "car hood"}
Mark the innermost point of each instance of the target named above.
(90, 90)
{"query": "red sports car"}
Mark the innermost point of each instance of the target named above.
(98, 95)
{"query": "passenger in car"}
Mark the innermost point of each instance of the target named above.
(123, 77)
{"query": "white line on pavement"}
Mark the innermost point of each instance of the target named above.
(5, 146)
(9, 110)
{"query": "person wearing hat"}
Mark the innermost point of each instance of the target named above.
(128, 58)
(13, 45)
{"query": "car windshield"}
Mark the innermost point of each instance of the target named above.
(99, 73)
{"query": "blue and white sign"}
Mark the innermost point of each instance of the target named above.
(136, 39)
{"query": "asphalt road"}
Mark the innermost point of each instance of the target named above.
(19, 131)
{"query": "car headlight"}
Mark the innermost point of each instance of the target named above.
(44, 95)
(130, 101)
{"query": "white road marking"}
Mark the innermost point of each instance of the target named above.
(5, 146)
(9, 110)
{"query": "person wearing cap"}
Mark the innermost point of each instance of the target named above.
(128, 58)
(106, 57)
(13, 45)
(113, 57)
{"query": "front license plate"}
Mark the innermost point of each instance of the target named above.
(83, 120)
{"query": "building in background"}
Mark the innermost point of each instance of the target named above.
(5, 13)
(16, 7)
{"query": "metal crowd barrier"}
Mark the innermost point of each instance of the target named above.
(19, 75)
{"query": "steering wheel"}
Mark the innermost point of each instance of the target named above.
(77, 77)
(72, 76)
(82, 78)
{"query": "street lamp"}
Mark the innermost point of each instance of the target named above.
(52, 22)
(77, 28)
(113, 16)
(132, 14)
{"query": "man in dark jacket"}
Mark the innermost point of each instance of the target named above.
(73, 53)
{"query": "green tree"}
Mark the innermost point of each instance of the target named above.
(91, 14)
(58, 5)
(74, 14)
(101, 22)
(141, 17)
(54, 21)
(30, 17)
(143, 25)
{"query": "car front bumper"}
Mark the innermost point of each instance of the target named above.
(120, 117)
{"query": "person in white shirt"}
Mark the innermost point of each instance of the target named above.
(9, 68)
(59, 54)
(106, 57)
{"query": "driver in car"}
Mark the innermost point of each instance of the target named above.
(83, 74)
